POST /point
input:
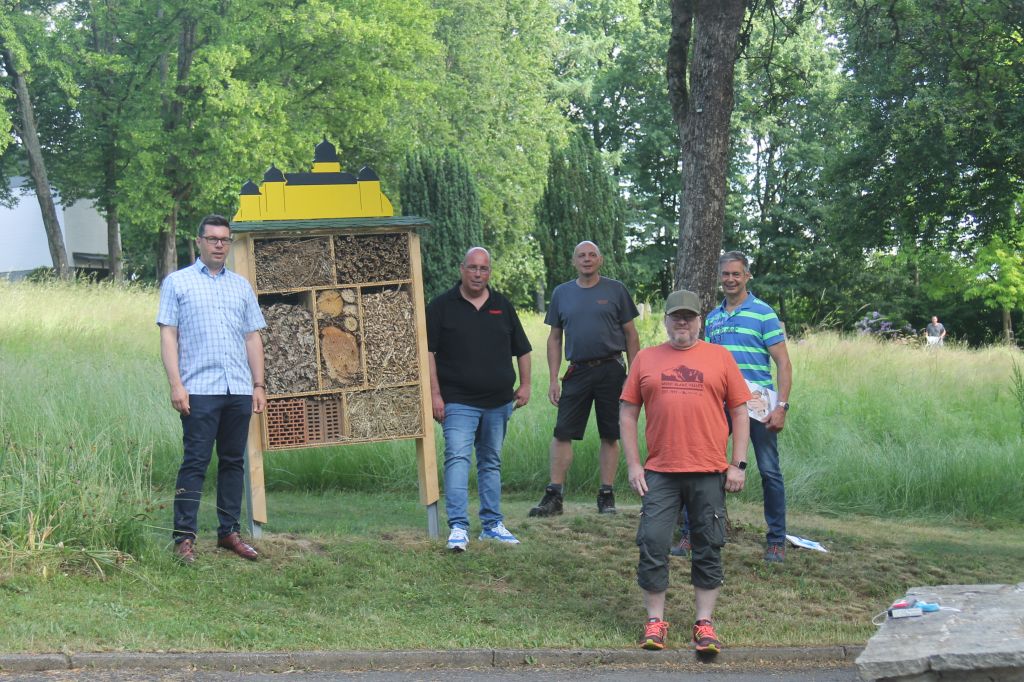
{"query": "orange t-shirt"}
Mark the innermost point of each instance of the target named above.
(683, 393)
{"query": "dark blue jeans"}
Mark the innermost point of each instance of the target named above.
(224, 420)
(766, 450)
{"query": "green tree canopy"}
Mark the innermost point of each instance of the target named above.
(438, 186)
(580, 203)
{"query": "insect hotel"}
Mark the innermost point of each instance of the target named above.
(338, 279)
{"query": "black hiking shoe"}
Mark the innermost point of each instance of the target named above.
(605, 502)
(550, 504)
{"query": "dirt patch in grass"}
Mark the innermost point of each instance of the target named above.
(283, 544)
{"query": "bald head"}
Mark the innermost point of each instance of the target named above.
(587, 260)
(473, 250)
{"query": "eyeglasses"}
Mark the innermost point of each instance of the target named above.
(477, 269)
(687, 317)
(219, 240)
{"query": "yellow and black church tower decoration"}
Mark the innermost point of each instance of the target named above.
(325, 192)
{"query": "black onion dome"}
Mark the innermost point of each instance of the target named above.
(250, 187)
(367, 173)
(273, 174)
(325, 152)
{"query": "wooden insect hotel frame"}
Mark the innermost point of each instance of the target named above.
(339, 281)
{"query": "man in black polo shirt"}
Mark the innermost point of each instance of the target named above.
(472, 335)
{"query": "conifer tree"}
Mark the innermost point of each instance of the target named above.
(439, 186)
(580, 202)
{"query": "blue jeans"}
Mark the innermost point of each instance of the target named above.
(224, 420)
(766, 450)
(465, 428)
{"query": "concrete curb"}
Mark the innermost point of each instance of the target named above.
(337, 661)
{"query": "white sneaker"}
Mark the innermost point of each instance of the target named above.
(458, 539)
(499, 533)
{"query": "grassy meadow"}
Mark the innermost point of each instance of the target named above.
(903, 460)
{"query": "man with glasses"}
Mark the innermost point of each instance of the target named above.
(473, 333)
(212, 352)
(595, 314)
(682, 386)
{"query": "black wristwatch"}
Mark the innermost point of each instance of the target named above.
(784, 405)
(742, 466)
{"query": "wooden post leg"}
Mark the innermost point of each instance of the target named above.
(255, 492)
(426, 460)
(432, 523)
(426, 452)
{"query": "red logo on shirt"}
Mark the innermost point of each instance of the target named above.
(682, 379)
(494, 312)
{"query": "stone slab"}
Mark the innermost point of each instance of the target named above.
(985, 633)
(335, 661)
(30, 663)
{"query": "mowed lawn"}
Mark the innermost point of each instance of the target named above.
(903, 462)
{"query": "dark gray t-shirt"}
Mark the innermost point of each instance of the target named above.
(591, 318)
(935, 329)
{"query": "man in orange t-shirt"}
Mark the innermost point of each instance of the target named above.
(682, 385)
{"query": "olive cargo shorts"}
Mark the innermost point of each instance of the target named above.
(704, 497)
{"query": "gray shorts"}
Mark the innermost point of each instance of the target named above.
(704, 497)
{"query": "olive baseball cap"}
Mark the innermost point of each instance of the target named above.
(682, 300)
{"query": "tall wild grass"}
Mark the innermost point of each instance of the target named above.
(89, 445)
(81, 414)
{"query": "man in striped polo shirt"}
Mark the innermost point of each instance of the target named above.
(750, 330)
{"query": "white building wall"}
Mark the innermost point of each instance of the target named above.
(23, 245)
(86, 230)
(22, 238)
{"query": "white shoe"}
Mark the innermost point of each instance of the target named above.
(499, 533)
(458, 539)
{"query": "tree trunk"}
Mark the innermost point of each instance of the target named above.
(167, 248)
(1007, 326)
(102, 41)
(173, 112)
(37, 167)
(702, 111)
(114, 246)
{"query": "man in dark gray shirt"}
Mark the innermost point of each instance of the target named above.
(936, 332)
(596, 315)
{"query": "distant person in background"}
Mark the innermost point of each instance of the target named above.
(935, 332)
(472, 335)
(595, 314)
(213, 355)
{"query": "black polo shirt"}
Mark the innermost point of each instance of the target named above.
(473, 349)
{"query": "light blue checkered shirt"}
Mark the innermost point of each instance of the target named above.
(213, 315)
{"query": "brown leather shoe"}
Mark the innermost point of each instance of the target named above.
(185, 551)
(235, 544)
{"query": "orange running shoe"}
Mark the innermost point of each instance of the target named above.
(705, 638)
(655, 632)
